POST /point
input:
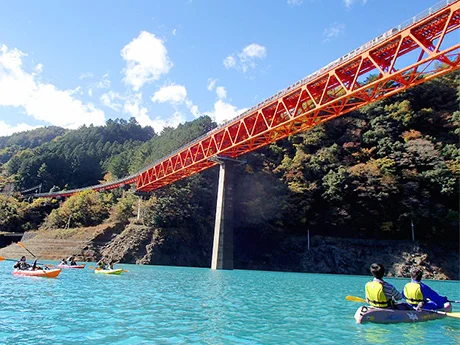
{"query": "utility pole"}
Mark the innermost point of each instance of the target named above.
(412, 228)
(68, 222)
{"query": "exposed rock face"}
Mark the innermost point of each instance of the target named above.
(139, 244)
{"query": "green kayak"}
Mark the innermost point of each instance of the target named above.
(102, 271)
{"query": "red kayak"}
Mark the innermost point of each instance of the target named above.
(71, 266)
(38, 273)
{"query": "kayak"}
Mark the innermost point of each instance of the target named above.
(71, 266)
(379, 315)
(38, 273)
(115, 271)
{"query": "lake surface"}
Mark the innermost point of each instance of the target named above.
(177, 305)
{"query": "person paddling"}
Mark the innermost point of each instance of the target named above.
(420, 295)
(63, 262)
(72, 261)
(22, 264)
(101, 264)
(381, 294)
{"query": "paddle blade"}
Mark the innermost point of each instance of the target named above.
(125, 271)
(91, 267)
(355, 299)
(22, 245)
(2, 258)
(454, 315)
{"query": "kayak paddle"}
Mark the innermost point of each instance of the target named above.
(355, 299)
(23, 246)
(3, 258)
(454, 315)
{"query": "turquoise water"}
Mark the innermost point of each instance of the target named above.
(176, 305)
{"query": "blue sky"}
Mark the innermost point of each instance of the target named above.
(164, 62)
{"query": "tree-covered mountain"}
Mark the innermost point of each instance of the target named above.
(370, 174)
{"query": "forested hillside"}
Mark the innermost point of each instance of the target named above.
(368, 174)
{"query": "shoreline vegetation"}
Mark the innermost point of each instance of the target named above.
(363, 185)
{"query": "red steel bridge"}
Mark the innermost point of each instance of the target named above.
(405, 56)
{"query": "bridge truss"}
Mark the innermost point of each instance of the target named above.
(401, 58)
(407, 55)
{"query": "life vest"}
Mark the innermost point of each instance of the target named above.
(375, 295)
(413, 293)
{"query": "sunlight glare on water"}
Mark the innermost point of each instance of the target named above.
(178, 305)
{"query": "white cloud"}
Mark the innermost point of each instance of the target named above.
(211, 84)
(193, 108)
(293, 3)
(221, 92)
(104, 83)
(133, 106)
(6, 130)
(350, 3)
(90, 92)
(146, 60)
(335, 30)
(16, 86)
(224, 111)
(57, 107)
(253, 51)
(171, 94)
(175, 95)
(175, 120)
(229, 62)
(42, 101)
(112, 100)
(246, 58)
(86, 75)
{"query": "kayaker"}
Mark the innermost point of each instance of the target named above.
(421, 296)
(72, 261)
(22, 264)
(63, 262)
(101, 264)
(381, 294)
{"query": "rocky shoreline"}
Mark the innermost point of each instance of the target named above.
(139, 244)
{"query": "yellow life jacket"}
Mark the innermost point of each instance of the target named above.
(375, 295)
(413, 293)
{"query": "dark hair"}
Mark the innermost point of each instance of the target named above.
(377, 270)
(416, 273)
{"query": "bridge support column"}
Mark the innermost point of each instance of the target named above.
(222, 250)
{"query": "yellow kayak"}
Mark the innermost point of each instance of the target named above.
(102, 271)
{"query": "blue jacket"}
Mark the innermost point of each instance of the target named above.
(429, 293)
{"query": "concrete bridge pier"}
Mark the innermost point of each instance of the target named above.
(222, 250)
